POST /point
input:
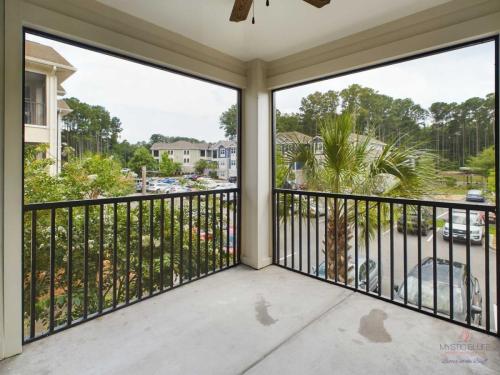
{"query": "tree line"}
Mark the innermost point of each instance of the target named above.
(453, 131)
(91, 129)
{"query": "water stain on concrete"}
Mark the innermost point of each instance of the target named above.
(262, 313)
(372, 327)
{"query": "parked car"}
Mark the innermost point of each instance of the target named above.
(492, 218)
(233, 179)
(459, 221)
(475, 196)
(169, 180)
(460, 281)
(158, 187)
(178, 189)
(412, 221)
(290, 185)
(138, 184)
(373, 271)
(191, 176)
(312, 206)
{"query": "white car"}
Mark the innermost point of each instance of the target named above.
(459, 221)
(159, 187)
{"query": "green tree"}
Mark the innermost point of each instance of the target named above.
(287, 122)
(94, 176)
(168, 167)
(228, 121)
(160, 138)
(283, 171)
(39, 185)
(90, 128)
(351, 167)
(142, 158)
(315, 107)
(484, 162)
(124, 151)
(202, 165)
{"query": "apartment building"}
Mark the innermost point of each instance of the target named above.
(189, 153)
(225, 154)
(183, 152)
(45, 72)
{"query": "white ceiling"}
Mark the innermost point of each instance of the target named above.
(286, 27)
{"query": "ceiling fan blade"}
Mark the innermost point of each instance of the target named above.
(241, 8)
(318, 3)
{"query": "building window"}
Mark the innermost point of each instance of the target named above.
(186, 152)
(233, 150)
(156, 153)
(233, 163)
(35, 99)
(202, 153)
(214, 154)
(186, 160)
(319, 147)
(222, 152)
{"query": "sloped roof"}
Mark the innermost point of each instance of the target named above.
(293, 137)
(225, 144)
(362, 138)
(63, 107)
(179, 145)
(42, 52)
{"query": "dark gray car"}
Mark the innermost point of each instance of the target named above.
(460, 281)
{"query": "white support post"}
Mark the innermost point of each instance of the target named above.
(2, 122)
(256, 226)
(11, 178)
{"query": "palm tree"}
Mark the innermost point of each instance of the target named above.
(352, 164)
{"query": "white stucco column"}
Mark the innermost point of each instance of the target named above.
(11, 179)
(256, 211)
(2, 113)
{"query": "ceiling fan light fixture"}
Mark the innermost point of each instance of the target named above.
(267, 3)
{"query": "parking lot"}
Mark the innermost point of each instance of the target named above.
(182, 184)
(477, 253)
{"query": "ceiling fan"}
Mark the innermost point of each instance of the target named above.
(241, 8)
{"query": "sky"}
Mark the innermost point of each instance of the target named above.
(146, 100)
(448, 77)
(149, 100)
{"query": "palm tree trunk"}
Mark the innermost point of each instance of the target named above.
(337, 240)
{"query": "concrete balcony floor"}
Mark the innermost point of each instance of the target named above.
(270, 321)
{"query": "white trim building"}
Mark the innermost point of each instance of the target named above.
(45, 71)
(224, 153)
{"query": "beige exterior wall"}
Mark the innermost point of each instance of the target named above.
(36, 134)
(89, 22)
(50, 133)
(179, 156)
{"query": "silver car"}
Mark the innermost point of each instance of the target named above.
(372, 269)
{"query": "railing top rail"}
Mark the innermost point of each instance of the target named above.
(407, 201)
(131, 198)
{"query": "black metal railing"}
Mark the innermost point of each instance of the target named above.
(403, 251)
(34, 113)
(83, 259)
